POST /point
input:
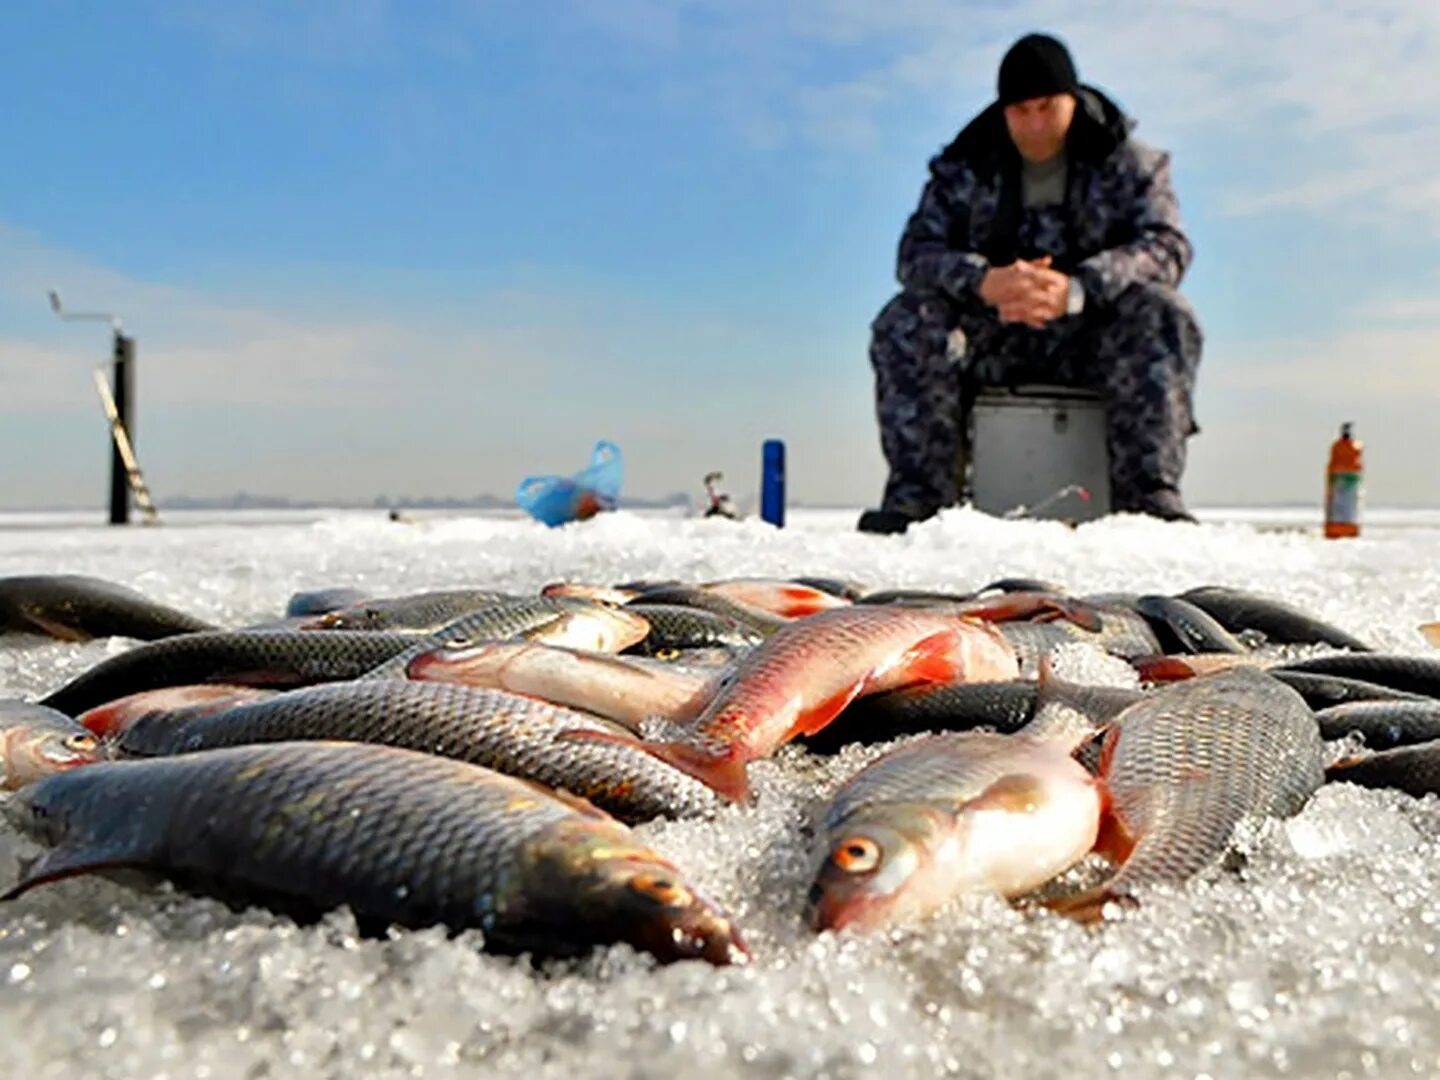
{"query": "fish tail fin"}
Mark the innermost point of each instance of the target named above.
(726, 775)
(1074, 712)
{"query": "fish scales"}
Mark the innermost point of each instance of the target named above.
(1382, 724)
(1413, 769)
(427, 611)
(507, 732)
(1281, 623)
(535, 616)
(251, 657)
(1005, 706)
(946, 768)
(401, 838)
(1185, 765)
(1122, 633)
(677, 627)
(1409, 674)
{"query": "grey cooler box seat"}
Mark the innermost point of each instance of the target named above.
(1032, 448)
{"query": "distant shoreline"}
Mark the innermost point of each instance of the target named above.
(673, 501)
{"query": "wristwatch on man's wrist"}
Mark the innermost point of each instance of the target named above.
(1075, 302)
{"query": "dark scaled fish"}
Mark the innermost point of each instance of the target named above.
(72, 607)
(675, 628)
(1183, 627)
(1325, 691)
(36, 742)
(1005, 706)
(759, 621)
(1410, 674)
(400, 838)
(1383, 724)
(278, 658)
(1414, 770)
(1184, 765)
(1281, 623)
(507, 732)
(552, 620)
(425, 612)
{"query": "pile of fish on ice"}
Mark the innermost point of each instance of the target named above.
(471, 759)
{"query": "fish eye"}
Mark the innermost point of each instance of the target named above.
(667, 654)
(81, 743)
(856, 855)
(661, 889)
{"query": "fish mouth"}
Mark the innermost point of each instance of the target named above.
(876, 874)
(698, 934)
(836, 909)
(43, 754)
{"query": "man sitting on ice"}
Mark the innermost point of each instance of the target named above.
(1047, 248)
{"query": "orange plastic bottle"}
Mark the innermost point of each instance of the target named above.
(1342, 486)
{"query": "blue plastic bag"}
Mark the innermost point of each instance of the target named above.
(556, 500)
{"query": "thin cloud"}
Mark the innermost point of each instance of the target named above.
(1375, 364)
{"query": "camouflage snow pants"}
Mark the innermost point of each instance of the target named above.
(1139, 354)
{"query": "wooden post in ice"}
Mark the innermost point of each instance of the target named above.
(119, 405)
(126, 453)
(123, 393)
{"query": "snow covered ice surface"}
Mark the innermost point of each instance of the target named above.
(1317, 958)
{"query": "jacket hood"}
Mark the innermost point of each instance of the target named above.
(1098, 130)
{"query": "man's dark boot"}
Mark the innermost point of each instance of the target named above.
(1165, 504)
(884, 522)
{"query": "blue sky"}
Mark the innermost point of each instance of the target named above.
(380, 248)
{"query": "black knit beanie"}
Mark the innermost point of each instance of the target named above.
(1036, 66)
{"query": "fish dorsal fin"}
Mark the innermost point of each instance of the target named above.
(1071, 712)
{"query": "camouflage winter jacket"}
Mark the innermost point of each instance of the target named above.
(1123, 221)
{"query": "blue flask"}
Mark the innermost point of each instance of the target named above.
(772, 482)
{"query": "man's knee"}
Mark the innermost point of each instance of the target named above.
(911, 328)
(1159, 308)
(906, 311)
